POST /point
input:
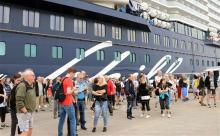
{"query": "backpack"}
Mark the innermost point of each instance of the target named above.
(59, 93)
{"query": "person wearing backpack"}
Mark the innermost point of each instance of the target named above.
(26, 102)
(14, 120)
(66, 103)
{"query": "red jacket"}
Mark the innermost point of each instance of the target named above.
(111, 90)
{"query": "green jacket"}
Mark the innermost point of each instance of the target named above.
(25, 97)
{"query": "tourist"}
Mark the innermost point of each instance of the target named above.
(144, 93)
(195, 85)
(202, 90)
(130, 93)
(101, 104)
(157, 79)
(136, 97)
(26, 103)
(211, 85)
(3, 103)
(14, 120)
(40, 87)
(164, 97)
(55, 89)
(118, 90)
(66, 106)
(111, 91)
(82, 89)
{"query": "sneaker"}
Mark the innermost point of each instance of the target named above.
(215, 105)
(163, 115)
(129, 117)
(202, 104)
(142, 115)
(83, 128)
(209, 106)
(169, 115)
(1, 127)
(104, 129)
(148, 116)
(94, 130)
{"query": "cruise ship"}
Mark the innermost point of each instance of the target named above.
(109, 36)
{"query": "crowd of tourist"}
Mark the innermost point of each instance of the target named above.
(72, 94)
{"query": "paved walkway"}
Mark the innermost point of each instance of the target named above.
(188, 119)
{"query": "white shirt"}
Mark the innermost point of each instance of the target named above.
(4, 104)
(40, 88)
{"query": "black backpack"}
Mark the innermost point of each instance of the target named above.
(59, 94)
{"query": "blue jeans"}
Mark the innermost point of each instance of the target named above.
(101, 107)
(70, 111)
(81, 108)
(130, 100)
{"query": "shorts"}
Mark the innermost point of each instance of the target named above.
(25, 121)
(202, 92)
(157, 99)
(211, 91)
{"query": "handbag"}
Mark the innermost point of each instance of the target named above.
(145, 97)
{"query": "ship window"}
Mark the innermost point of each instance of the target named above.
(168, 60)
(194, 33)
(189, 31)
(30, 50)
(117, 56)
(79, 26)
(4, 14)
(197, 62)
(207, 63)
(132, 57)
(202, 48)
(145, 37)
(80, 53)
(57, 52)
(203, 63)
(183, 44)
(157, 39)
(99, 30)
(166, 41)
(213, 63)
(196, 47)
(147, 58)
(190, 45)
(31, 18)
(175, 27)
(100, 55)
(175, 43)
(56, 23)
(2, 48)
(200, 34)
(180, 28)
(131, 35)
(116, 33)
(186, 30)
